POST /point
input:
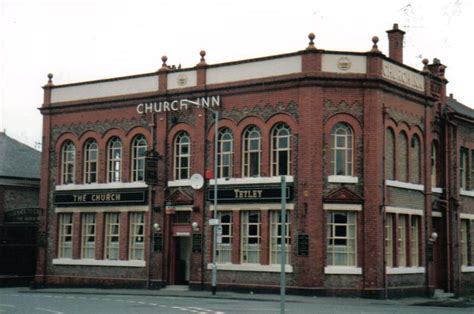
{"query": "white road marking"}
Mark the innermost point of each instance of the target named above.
(46, 310)
(7, 305)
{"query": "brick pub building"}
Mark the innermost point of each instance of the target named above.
(379, 165)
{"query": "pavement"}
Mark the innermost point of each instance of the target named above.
(184, 292)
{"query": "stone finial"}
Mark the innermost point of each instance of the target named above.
(375, 48)
(202, 62)
(50, 79)
(442, 70)
(311, 45)
(425, 65)
(164, 66)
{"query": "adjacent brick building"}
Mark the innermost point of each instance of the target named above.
(378, 164)
(19, 204)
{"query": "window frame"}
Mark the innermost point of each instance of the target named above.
(390, 155)
(434, 164)
(248, 152)
(416, 160)
(275, 237)
(66, 231)
(277, 151)
(347, 250)
(245, 247)
(91, 161)
(347, 150)
(415, 223)
(402, 241)
(136, 241)
(88, 222)
(389, 219)
(68, 163)
(182, 140)
(402, 156)
(227, 233)
(110, 245)
(114, 163)
(223, 154)
(139, 148)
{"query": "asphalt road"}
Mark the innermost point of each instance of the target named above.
(14, 301)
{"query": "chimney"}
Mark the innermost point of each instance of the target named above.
(395, 43)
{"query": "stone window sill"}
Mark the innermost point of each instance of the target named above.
(343, 179)
(342, 270)
(405, 185)
(274, 268)
(94, 262)
(405, 270)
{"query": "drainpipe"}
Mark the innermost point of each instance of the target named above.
(152, 126)
(448, 154)
(382, 207)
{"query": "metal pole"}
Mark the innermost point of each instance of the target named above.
(283, 244)
(214, 233)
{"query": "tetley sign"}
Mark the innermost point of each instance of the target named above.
(179, 104)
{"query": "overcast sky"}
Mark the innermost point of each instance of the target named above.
(82, 40)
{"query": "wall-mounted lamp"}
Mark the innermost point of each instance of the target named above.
(433, 237)
(195, 226)
(156, 227)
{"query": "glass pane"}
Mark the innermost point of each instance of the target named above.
(341, 141)
(340, 218)
(253, 230)
(341, 231)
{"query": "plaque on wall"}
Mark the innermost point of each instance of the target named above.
(303, 245)
(197, 243)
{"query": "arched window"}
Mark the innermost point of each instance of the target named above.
(91, 157)
(182, 156)
(402, 157)
(139, 145)
(68, 163)
(341, 150)
(281, 150)
(389, 154)
(252, 152)
(463, 171)
(434, 164)
(114, 160)
(225, 153)
(415, 166)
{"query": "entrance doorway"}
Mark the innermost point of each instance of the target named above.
(182, 260)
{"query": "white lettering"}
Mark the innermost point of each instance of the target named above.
(182, 104)
(216, 101)
(403, 76)
(140, 108)
(174, 105)
(148, 107)
(205, 102)
(157, 106)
